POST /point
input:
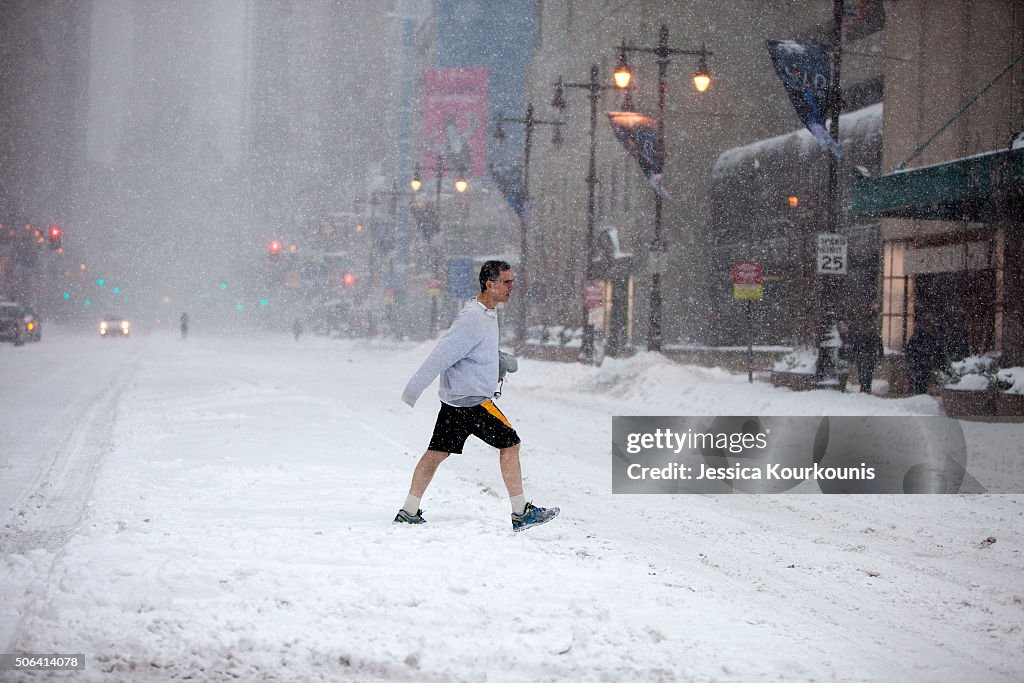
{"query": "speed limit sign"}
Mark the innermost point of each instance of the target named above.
(831, 254)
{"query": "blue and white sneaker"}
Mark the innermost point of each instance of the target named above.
(404, 517)
(532, 516)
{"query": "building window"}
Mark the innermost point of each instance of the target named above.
(894, 296)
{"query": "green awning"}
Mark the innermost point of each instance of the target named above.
(974, 189)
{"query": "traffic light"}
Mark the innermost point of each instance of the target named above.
(274, 250)
(54, 237)
(348, 279)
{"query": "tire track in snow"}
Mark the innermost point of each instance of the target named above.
(44, 513)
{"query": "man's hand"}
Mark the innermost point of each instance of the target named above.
(506, 363)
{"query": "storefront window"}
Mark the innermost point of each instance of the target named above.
(894, 296)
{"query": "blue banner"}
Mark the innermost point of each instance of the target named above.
(805, 70)
(638, 134)
(510, 182)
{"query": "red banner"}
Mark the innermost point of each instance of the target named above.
(455, 121)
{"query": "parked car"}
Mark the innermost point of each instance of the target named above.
(114, 325)
(19, 323)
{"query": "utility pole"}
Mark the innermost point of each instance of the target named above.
(522, 274)
(593, 88)
(829, 284)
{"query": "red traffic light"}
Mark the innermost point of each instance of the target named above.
(348, 279)
(54, 237)
(274, 249)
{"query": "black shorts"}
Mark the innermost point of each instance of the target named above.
(485, 421)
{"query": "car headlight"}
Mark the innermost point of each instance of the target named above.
(125, 325)
(103, 326)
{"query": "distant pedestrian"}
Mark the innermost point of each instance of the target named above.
(467, 360)
(184, 325)
(866, 346)
(297, 329)
(923, 355)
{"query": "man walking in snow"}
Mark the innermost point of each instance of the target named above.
(466, 358)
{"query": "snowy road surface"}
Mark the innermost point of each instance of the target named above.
(219, 509)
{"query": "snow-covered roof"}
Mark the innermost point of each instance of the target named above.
(860, 124)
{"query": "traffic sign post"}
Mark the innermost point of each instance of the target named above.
(831, 254)
(593, 295)
(748, 285)
(747, 281)
(832, 260)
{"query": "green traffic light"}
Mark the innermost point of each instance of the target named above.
(101, 282)
(223, 285)
(117, 290)
(67, 295)
(263, 302)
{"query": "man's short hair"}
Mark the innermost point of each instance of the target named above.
(491, 270)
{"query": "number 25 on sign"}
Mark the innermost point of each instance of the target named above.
(832, 254)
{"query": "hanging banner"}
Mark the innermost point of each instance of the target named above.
(509, 179)
(425, 216)
(805, 70)
(638, 134)
(455, 121)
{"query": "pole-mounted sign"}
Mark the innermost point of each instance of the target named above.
(747, 281)
(831, 254)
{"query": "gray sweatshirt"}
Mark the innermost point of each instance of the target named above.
(466, 358)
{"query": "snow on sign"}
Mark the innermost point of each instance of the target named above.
(747, 281)
(831, 254)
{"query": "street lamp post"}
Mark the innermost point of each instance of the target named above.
(594, 90)
(440, 166)
(701, 81)
(528, 122)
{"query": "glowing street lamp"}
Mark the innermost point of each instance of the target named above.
(461, 185)
(701, 81)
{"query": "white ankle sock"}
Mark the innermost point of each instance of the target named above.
(412, 504)
(518, 504)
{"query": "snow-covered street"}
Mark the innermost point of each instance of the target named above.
(220, 509)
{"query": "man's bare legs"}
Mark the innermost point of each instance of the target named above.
(511, 474)
(424, 472)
